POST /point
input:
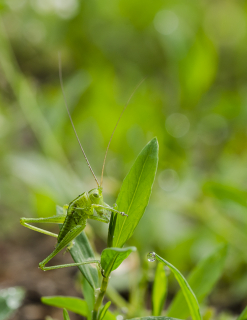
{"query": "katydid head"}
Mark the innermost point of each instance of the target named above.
(96, 196)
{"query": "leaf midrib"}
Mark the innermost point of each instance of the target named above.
(132, 198)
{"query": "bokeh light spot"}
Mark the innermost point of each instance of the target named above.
(166, 22)
(168, 180)
(177, 125)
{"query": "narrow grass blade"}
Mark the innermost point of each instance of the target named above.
(159, 290)
(243, 315)
(134, 195)
(201, 281)
(65, 315)
(104, 310)
(154, 318)
(111, 258)
(186, 289)
(89, 296)
(82, 251)
(75, 305)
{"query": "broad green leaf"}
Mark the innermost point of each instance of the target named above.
(10, 300)
(201, 281)
(111, 258)
(104, 310)
(159, 290)
(89, 296)
(65, 315)
(82, 251)
(75, 305)
(134, 195)
(154, 318)
(186, 289)
(243, 315)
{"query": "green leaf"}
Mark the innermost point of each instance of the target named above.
(186, 289)
(111, 258)
(10, 300)
(89, 296)
(134, 195)
(65, 315)
(75, 305)
(104, 310)
(82, 251)
(243, 315)
(154, 318)
(201, 281)
(159, 290)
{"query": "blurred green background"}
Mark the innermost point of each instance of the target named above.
(194, 99)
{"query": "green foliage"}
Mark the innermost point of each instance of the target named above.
(201, 280)
(104, 310)
(159, 291)
(134, 195)
(186, 289)
(76, 305)
(111, 258)
(65, 315)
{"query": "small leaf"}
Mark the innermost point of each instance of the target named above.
(134, 195)
(75, 305)
(186, 289)
(243, 315)
(201, 280)
(104, 310)
(82, 251)
(65, 315)
(159, 290)
(111, 258)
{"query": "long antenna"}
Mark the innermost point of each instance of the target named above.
(103, 167)
(61, 82)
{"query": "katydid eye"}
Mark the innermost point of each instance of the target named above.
(96, 195)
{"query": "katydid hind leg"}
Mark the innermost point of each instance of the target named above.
(72, 234)
(54, 219)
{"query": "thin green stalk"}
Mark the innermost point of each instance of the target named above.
(100, 297)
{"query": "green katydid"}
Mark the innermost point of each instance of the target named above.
(88, 205)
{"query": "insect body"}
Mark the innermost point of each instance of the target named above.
(89, 205)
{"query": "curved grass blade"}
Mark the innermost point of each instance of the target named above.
(65, 315)
(186, 289)
(159, 290)
(201, 281)
(111, 258)
(134, 195)
(243, 315)
(104, 310)
(154, 318)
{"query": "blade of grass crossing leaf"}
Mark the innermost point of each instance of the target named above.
(243, 315)
(201, 281)
(134, 195)
(111, 258)
(65, 315)
(104, 310)
(159, 290)
(186, 289)
(75, 305)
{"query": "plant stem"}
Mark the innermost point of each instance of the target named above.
(100, 297)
